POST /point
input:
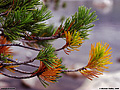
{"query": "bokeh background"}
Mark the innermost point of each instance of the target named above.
(107, 29)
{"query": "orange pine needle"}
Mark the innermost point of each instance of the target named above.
(4, 49)
(49, 74)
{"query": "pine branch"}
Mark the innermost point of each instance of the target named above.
(59, 49)
(46, 38)
(28, 64)
(32, 65)
(21, 71)
(19, 46)
(76, 70)
(17, 77)
(26, 72)
(17, 63)
(26, 47)
(38, 67)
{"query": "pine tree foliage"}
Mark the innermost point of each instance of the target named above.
(24, 21)
(81, 21)
(23, 18)
(47, 59)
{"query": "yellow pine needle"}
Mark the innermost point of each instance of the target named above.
(43, 34)
(99, 56)
(73, 41)
(10, 67)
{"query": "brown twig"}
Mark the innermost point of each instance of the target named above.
(20, 46)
